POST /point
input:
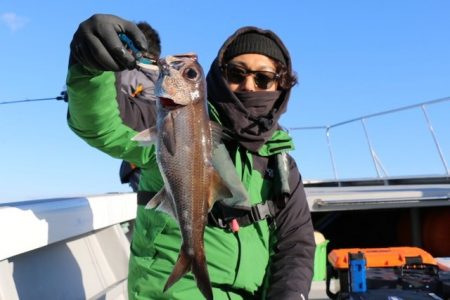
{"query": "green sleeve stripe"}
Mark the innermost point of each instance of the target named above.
(94, 115)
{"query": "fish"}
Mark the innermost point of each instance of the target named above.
(183, 136)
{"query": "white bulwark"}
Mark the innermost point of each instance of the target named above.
(68, 248)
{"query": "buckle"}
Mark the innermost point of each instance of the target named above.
(260, 212)
(226, 220)
(216, 221)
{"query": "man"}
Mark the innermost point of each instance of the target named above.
(271, 255)
(137, 108)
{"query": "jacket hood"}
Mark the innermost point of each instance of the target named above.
(251, 29)
(251, 132)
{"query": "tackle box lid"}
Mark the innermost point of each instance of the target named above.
(382, 257)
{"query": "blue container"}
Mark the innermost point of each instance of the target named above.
(357, 272)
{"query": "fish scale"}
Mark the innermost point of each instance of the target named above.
(184, 154)
(182, 189)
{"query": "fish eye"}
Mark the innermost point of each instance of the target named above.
(191, 73)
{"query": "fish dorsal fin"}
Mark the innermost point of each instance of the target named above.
(219, 133)
(146, 137)
(162, 202)
(224, 165)
(219, 189)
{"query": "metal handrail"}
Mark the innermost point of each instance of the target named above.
(376, 160)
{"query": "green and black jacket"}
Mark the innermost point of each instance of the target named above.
(260, 260)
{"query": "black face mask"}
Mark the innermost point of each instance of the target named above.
(251, 116)
(261, 110)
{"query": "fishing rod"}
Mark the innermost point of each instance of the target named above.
(62, 96)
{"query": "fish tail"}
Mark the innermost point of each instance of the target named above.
(196, 264)
(202, 277)
(182, 266)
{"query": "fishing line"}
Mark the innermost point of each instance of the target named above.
(62, 96)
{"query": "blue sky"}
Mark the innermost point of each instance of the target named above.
(353, 58)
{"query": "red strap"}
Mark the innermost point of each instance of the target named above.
(234, 225)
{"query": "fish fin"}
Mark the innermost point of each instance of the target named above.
(182, 266)
(168, 136)
(198, 266)
(162, 202)
(219, 189)
(200, 271)
(146, 137)
(219, 133)
(224, 166)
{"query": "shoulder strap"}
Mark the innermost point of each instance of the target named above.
(226, 217)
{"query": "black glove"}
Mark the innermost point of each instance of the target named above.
(96, 43)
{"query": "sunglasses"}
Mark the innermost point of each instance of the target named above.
(237, 74)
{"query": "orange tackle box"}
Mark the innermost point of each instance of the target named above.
(402, 268)
(382, 257)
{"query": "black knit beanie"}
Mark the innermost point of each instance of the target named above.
(254, 42)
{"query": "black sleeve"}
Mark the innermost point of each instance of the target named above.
(292, 264)
(136, 112)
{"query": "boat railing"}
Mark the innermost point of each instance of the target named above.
(379, 169)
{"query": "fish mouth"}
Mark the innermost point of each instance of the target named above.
(168, 103)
